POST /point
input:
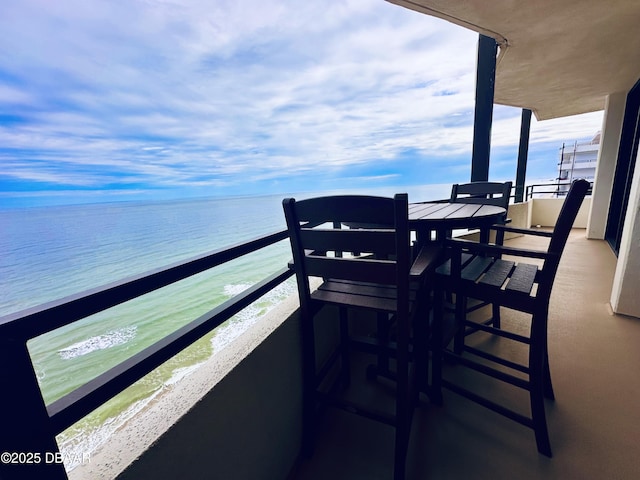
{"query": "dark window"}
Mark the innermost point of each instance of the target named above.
(627, 153)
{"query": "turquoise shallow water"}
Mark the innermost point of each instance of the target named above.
(49, 253)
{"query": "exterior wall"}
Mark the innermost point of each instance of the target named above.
(541, 212)
(545, 211)
(519, 215)
(247, 427)
(607, 158)
(624, 295)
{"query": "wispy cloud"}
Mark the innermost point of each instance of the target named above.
(233, 95)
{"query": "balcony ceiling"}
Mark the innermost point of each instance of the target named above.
(557, 58)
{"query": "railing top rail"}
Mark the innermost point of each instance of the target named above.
(533, 189)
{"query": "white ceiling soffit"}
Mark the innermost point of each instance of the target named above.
(557, 57)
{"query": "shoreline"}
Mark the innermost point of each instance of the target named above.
(142, 430)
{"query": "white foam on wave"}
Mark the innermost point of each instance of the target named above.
(99, 342)
(180, 373)
(88, 440)
(250, 315)
(236, 289)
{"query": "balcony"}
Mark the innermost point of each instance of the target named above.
(247, 425)
(244, 421)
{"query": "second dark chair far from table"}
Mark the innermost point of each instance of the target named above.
(478, 270)
(484, 193)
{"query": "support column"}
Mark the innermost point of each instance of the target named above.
(606, 164)
(485, 86)
(523, 153)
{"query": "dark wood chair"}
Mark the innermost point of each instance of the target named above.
(497, 193)
(484, 193)
(479, 271)
(381, 278)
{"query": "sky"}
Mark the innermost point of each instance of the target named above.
(113, 100)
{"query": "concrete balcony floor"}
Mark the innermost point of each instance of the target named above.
(594, 422)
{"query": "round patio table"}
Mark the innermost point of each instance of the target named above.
(441, 217)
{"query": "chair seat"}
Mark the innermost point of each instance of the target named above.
(496, 272)
(494, 279)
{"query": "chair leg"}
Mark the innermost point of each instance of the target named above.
(344, 348)
(403, 401)
(402, 445)
(403, 430)
(420, 378)
(309, 385)
(383, 338)
(460, 328)
(435, 389)
(538, 365)
(548, 386)
(538, 416)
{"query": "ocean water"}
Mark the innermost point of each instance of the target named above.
(49, 253)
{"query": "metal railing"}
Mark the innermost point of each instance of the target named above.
(558, 189)
(29, 427)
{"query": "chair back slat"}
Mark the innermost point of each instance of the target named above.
(497, 201)
(359, 270)
(382, 242)
(346, 209)
(366, 288)
(485, 193)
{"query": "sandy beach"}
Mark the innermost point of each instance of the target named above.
(141, 431)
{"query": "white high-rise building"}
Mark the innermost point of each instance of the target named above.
(578, 161)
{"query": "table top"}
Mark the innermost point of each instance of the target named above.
(453, 215)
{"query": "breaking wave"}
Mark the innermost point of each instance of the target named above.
(99, 342)
(225, 334)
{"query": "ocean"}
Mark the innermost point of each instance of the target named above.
(47, 253)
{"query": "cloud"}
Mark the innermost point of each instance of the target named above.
(169, 93)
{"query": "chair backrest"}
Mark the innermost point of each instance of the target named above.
(567, 215)
(561, 231)
(318, 240)
(485, 193)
